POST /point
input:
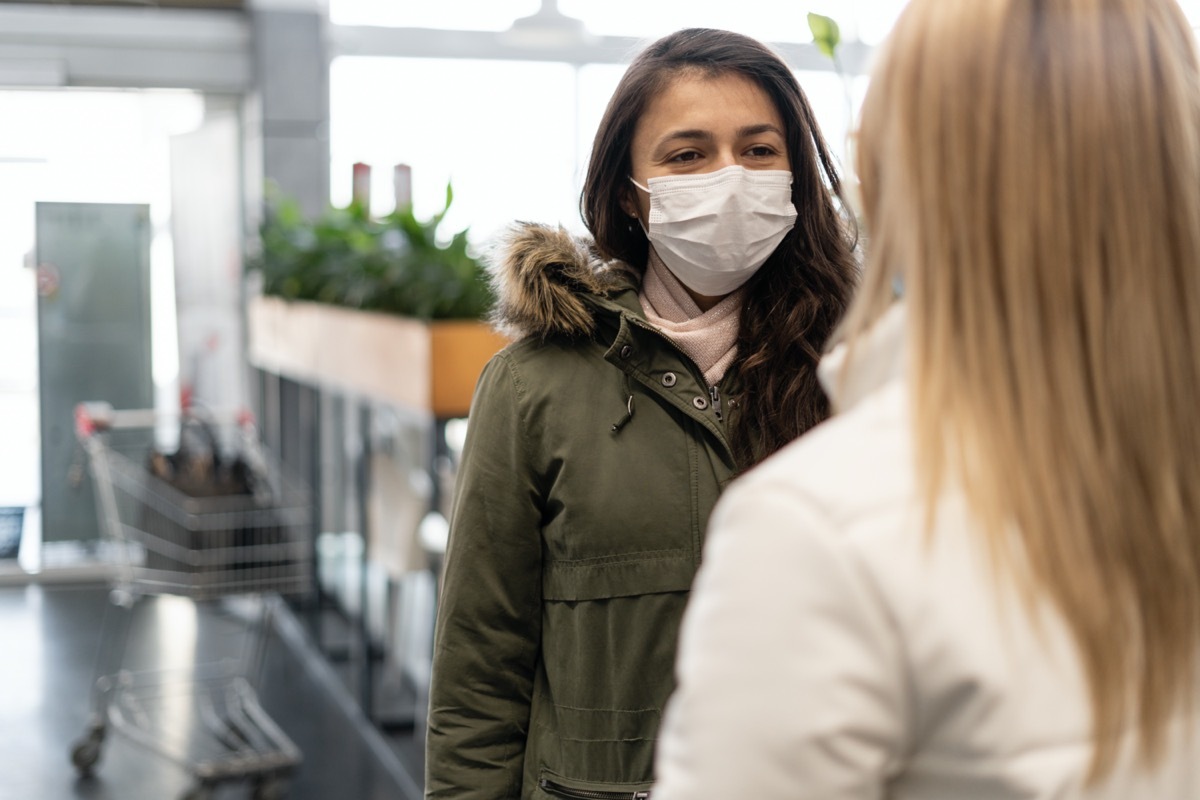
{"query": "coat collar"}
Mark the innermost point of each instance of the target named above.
(549, 283)
(853, 370)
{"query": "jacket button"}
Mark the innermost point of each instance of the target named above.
(700, 402)
(669, 379)
(626, 351)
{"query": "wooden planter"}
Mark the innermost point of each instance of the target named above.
(427, 366)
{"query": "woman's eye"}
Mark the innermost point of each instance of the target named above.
(762, 151)
(690, 155)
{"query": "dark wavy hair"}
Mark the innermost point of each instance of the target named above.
(797, 298)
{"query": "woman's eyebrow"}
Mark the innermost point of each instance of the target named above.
(690, 134)
(755, 130)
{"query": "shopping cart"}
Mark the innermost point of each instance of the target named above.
(240, 546)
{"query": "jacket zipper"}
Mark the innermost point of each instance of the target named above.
(589, 794)
(715, 393)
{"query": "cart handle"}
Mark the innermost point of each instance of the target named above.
(92, 417)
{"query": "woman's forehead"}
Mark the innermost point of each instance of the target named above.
(713, 103)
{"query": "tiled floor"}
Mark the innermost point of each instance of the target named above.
(47, 655)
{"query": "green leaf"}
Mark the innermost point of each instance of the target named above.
(394, 264)
(438, 217)
(826, 33)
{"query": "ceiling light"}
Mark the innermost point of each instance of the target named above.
(549, 27)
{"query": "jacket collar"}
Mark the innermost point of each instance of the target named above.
(549, 283)
(853, 370)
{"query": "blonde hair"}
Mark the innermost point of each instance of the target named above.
(1031, 169)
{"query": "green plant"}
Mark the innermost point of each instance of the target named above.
(826, 35)
(394, 264)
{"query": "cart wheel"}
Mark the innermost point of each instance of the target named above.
(86, 752)
(270, 788)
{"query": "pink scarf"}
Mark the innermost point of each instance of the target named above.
(709, 338)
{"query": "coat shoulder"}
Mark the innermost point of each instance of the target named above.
(555, 368)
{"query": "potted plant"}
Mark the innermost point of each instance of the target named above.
(380, 307)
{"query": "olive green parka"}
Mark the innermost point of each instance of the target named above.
(594, 455)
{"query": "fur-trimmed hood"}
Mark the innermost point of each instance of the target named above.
(546, 282)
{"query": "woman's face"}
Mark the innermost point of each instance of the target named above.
(702, 124)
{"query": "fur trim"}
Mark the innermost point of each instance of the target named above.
(542, 277)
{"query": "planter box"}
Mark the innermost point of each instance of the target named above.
(427, 366)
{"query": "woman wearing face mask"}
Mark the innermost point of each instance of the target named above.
(653, 362)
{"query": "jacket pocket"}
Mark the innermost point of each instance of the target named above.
(619, 576)
(561, 788)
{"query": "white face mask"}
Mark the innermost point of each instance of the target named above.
(714, 230)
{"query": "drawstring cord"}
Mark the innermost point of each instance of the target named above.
(621, 423)
(616, 428)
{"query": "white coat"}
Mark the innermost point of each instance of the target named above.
(830, 653)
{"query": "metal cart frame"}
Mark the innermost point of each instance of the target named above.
(208, 549)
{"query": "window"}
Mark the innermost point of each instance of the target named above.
(478, 15)
(502, 132)
(58, 152)
(769, 20)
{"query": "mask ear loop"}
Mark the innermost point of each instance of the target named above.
(635, 216)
